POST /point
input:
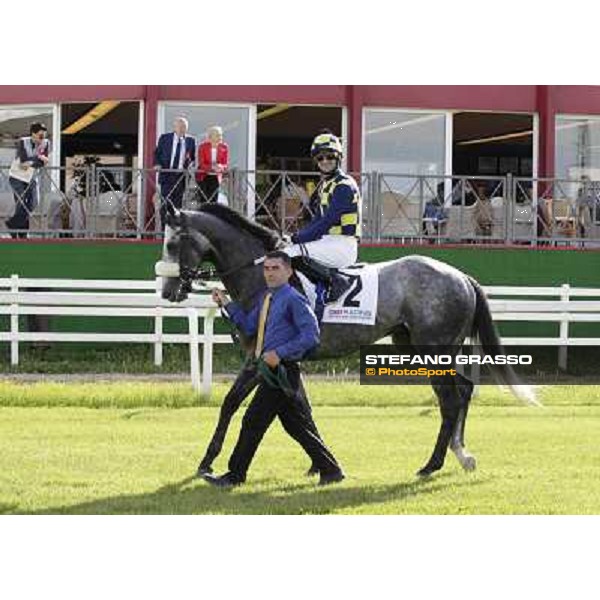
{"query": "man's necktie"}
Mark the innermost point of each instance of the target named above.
(262, 323)
(177, 154)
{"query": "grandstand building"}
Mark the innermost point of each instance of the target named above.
(531, 131)
(511, 145)
(502, 164)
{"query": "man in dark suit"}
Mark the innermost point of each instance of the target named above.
(175, 150)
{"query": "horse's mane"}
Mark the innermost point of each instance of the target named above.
(268, 237)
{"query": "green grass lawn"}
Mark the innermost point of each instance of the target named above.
(133, 448)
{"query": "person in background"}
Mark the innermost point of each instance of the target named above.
(213, 162)
(484, 215)
(32, 153)
(587, 204)
(175, 150)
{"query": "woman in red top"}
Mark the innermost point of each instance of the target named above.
(213, 159)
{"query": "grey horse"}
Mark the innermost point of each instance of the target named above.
(421, 303)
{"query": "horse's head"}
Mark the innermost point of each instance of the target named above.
(221, 236)
(184, 249)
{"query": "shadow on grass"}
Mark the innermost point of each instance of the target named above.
(194, 496)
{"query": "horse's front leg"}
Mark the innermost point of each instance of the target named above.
(245, 382)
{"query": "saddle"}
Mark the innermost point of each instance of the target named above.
(334, 282)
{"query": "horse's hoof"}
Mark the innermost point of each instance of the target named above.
(469, 463)
(202, 471)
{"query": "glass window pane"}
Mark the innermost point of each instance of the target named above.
(14, 124)
(577, 150)
(233, 120)
(404, 142)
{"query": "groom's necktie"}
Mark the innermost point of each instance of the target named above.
(262, 323)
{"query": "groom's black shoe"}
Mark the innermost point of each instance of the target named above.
(332, 477)
(228, 480)
(202, 471)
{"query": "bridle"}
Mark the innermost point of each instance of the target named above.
(188, 274)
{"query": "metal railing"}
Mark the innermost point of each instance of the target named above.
(113, 201)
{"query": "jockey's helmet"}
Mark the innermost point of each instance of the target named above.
(326, 143)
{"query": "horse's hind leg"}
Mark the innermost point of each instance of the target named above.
(449, 408)
(457, 442)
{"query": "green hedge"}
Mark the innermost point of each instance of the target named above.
(134, 260)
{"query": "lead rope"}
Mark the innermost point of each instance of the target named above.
(278, 379)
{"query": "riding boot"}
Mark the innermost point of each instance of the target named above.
(336, 283)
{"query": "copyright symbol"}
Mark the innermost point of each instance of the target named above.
(369, 371)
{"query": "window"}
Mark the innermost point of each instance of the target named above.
(14, 124)
(404, 142)
(233, 119)
(577, 150)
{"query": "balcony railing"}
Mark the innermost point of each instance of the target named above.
(119, 202)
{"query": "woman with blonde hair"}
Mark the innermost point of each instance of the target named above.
(213, 159)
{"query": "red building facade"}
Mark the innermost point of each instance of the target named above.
(546, 102)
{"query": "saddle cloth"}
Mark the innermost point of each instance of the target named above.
(358, 305)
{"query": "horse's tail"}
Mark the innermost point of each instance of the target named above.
(485, 330)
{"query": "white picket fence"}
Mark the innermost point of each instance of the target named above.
(126, 298)
(112, 298)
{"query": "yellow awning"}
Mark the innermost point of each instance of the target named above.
(274, 110)
(99, 111)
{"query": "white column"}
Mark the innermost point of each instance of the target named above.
(345, 138)
(449, 138)
(251, 166)
(56, 129)
(140, 175)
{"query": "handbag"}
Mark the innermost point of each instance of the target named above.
(17, 171)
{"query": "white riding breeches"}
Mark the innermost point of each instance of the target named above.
(332, 250)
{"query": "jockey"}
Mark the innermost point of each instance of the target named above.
(330, 240)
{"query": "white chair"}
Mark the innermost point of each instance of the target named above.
(106, 212)
(401, 216)
(461, 222)
(523, 225)
(7, 208)
(47, 214)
